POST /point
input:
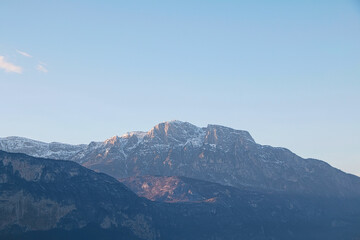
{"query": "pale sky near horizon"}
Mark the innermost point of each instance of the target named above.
(286, 71)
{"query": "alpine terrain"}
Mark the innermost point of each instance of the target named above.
(213, 153)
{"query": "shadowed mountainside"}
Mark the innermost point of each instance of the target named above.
(42, 195)
(52, 199)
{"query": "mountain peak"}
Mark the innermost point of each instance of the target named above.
(174, 124)
(174, 131)
(112, 140)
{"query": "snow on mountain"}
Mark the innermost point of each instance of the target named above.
(162, 136)
(213, 153)
(35, 148)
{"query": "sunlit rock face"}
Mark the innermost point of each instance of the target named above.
(213, 153)
(163, 189)
(186, 190)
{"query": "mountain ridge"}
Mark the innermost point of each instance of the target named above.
(213, 153)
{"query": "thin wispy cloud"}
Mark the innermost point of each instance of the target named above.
(41, 68)
(9, 67)
(25, 54)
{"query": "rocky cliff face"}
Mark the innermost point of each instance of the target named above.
(41, 195)
(181, 189)
(214, 153)
(164, 189)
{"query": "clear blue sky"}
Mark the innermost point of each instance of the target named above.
(286, 71)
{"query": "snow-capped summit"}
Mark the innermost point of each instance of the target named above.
(173, 132)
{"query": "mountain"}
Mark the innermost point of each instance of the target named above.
(35, 148)
(40, 195)
(55, 199)
(213, 153)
